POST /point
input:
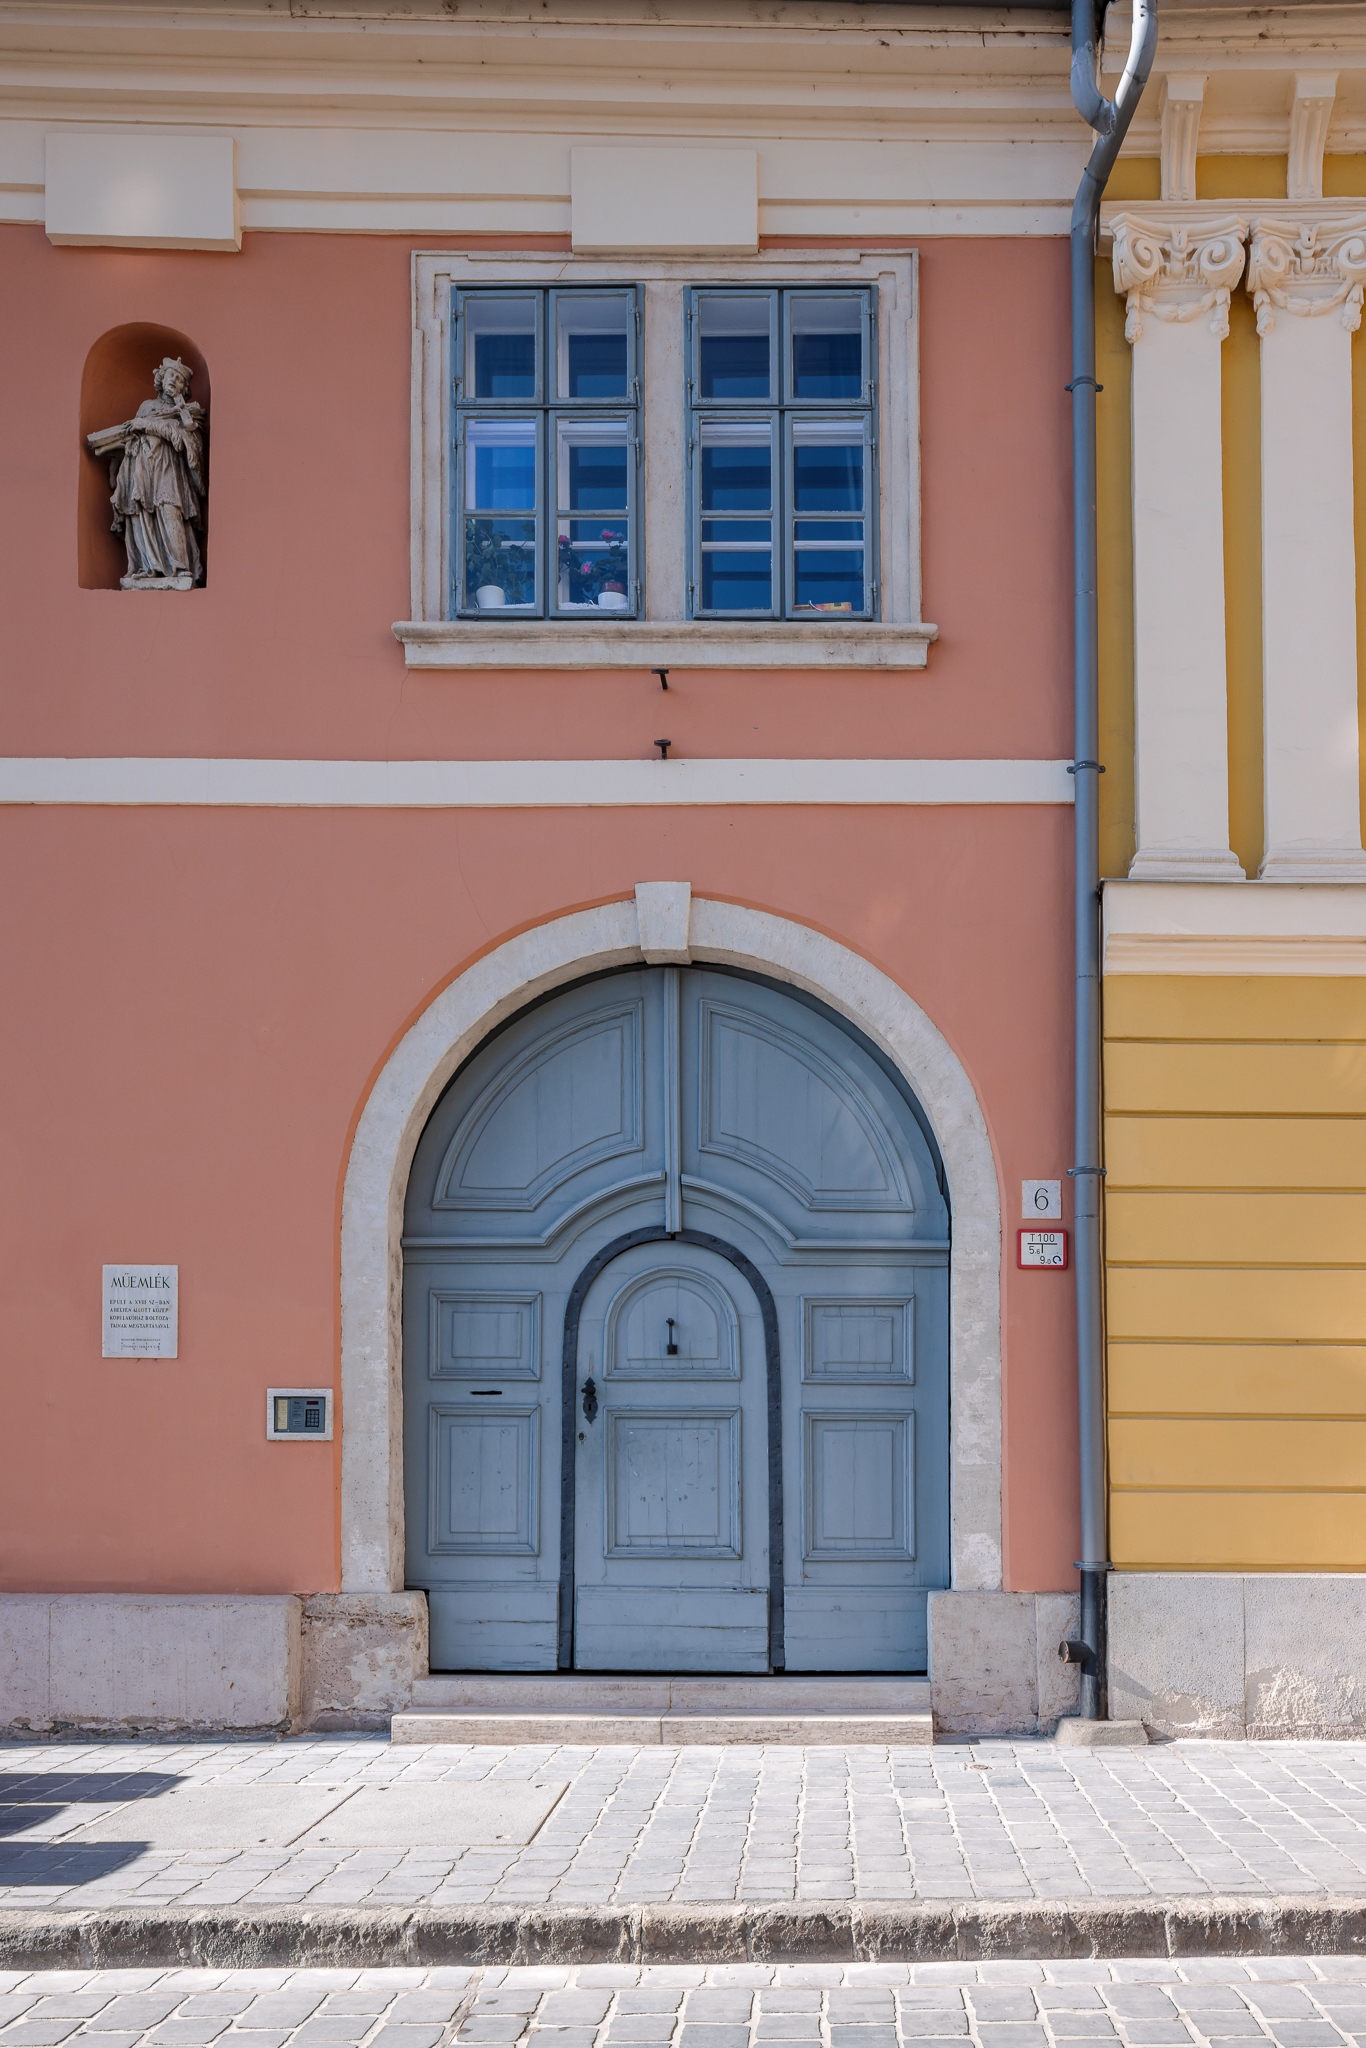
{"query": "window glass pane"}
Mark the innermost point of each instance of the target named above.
(592, 347)
(737, 553)
(500, 348)
(500, 477)
(827, 465)
(593, 555)
(827, 578)
(827, 347)
(842, 530)
(737, 466)
(734, 347)
(500, 465)
(500, 563)
(737, 579)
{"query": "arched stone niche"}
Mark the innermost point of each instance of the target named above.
(116, 380)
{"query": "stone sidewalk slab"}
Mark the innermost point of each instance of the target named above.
(929, 1835)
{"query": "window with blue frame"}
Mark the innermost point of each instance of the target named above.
(781, 451)
(546, 387)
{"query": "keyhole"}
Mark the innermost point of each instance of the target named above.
(670, 1349)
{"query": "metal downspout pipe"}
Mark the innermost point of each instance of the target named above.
(1110, 120)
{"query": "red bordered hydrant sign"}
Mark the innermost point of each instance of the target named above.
(1042, 1248)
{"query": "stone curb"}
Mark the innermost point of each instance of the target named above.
(362, 1937)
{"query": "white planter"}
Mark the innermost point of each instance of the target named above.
(612, 601)
(489, 596)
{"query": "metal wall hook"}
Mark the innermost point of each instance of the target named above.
(664, 746)
(670, 1349)
(663, 675)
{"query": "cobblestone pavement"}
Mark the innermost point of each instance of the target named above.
(989, 1820)
(1283, 2001)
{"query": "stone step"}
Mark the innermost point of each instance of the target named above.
(582, 1707)
(531, 1692)
(598, 1726)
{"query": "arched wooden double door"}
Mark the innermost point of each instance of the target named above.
(675, 1341)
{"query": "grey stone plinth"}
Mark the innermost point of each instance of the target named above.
(1176, 1656)
(128, 1663)
(994, 1667)
(1074, 1733)
(362, 1653)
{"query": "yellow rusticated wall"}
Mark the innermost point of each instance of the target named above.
(1236, 1251)
(1235, 1205)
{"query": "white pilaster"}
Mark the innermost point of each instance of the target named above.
(1306, 268)
(1177, 268)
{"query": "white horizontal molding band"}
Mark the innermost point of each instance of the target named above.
(537, 785)
(1252, 928)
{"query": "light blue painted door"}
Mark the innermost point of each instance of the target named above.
(776, 1487)
(671, 1529)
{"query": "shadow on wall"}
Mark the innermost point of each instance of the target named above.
(116, 379)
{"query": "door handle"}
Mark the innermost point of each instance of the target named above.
(590, 1400)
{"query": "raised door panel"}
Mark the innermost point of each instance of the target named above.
(570, 1100)
(484, 1335)
(778, 1104)
(483, 1481)
(670, 1325)
(857, 1487)
(673, 1483)
(858, 1342)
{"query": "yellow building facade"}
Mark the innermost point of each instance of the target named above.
(1232, 470)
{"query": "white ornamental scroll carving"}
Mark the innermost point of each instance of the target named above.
(1177, 268)
(1307, 267)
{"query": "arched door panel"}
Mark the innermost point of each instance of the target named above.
(671, 1497)
(773, 1490)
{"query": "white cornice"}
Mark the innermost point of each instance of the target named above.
(1260, 928)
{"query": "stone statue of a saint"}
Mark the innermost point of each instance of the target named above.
(156, 471)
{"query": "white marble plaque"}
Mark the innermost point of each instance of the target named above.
(141, 1311)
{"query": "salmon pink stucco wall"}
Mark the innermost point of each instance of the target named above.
(198, 1000)
(288, 651)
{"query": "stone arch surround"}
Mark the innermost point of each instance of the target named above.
(663, 922)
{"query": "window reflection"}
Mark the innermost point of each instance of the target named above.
(592, 347)
(827, 347)
(500, 348)
(737, 552)
(500, 477)
(829, 565)
(593, 554)
(734, 347)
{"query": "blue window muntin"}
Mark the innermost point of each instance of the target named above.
(779, 414)
(549, 408)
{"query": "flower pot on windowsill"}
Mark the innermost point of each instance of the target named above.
(612, 598)
(489, 596)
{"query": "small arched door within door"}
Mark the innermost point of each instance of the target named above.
(671, 1493)
(694, 1158)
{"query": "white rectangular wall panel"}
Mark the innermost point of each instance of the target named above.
(664, 200)
(132, 190)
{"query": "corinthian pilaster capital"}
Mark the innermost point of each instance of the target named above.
(1176, 263)
(1307, 261)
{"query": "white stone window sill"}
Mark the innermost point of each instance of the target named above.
(645, 643)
